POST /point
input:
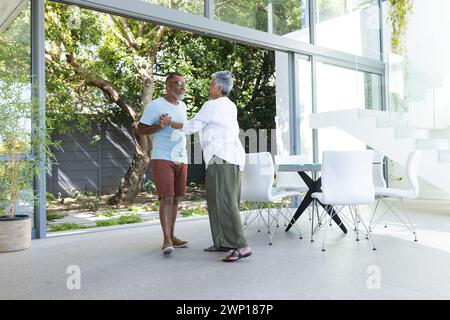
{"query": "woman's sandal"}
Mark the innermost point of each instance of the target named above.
(213, 249)
(235, 255)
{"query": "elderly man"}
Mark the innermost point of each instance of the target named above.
(225, 158)
(169, 156)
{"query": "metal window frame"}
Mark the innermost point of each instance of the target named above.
(204, 25)
(38, 92)
(207, 26)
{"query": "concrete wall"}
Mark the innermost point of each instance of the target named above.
(98, 167)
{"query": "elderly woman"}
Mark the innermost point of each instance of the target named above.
(224, 158)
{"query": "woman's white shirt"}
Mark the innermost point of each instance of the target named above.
(218, 129)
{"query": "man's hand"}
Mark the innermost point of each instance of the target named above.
(165, 120)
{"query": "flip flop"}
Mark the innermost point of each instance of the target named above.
(235, 256)
(213, 249)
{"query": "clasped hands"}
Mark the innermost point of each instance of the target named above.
(165, 120)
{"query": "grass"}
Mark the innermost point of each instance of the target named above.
(195, 198)
(132, 218)
(194, 211)
(50, 196)
(66, 227)
(54, 216)
(108, 213)
(247, 205)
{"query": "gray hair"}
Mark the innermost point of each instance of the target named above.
(224, 79)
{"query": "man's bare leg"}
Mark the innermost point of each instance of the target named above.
(174, 214)
(177, 243)
(165, 216)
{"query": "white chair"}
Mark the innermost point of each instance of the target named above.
(382, 192)
(378, 170)
(291, 181)
(257, 187)
(346, 181)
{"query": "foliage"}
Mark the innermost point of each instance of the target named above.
(76, 104)
(194, 211)
(66, 227)
(193, 6)
(50, 197)
(18, 121)
(150, 186)
(398, 18)
(93, 205)
(54, 216)
(15, 44)
(127, 219)
(107, 213)
(153, 206)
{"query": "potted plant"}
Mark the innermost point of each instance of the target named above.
(17, 164)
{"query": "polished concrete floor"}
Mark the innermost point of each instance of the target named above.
(127, 263)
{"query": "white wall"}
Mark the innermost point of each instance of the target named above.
(427, 84)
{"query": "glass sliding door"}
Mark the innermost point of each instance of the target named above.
(351, 26)
(15, 115)
(304, 105)
(341, 88)
(288, 18)
(191, 6)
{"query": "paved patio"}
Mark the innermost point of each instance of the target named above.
(126, 263)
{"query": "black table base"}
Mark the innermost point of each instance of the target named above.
(313, 186)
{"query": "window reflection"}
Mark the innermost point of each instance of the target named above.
(305, 105)
(338, 89)
(192, 6)
(351, 26)
(15, 113)
(251, 14)
(281, 17)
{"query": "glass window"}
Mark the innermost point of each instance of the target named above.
(281, 17)
(304, 99)
(15, 107)
(290, 18)
(251, 14)
(339, 88)
(192, 6)
(351, 26)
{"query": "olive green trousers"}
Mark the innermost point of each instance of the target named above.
(223, 193)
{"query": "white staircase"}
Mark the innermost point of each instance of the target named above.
(389, 133)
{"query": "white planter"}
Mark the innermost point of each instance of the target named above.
(15, 233)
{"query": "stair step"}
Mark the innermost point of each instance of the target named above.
(396, 123)
(412, 133)
(439, 133)
(444, 156)
(364, 113)
(437, 144)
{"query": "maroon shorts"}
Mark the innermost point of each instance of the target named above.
(169, 178)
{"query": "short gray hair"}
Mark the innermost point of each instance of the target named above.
(224, 79)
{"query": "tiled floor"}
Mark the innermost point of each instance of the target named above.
(128, 264)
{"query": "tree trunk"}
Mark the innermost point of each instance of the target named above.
(130, 183)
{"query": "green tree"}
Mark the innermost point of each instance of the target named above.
(104, 64)
(104, 68)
